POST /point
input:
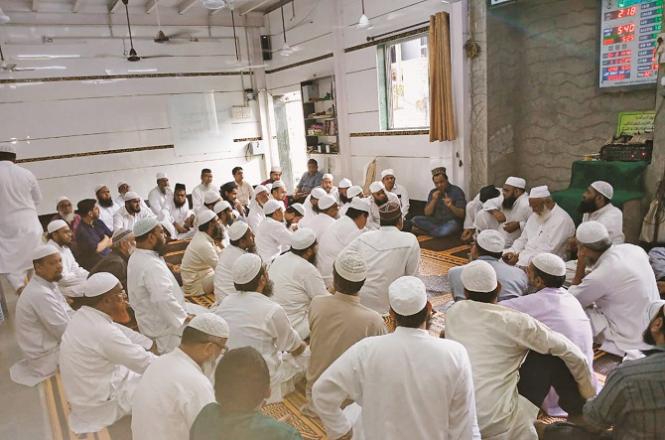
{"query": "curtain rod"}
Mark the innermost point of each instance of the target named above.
(374, 37)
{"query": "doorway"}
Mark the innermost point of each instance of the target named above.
(291, 144)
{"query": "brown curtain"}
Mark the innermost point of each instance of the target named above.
(442, 121)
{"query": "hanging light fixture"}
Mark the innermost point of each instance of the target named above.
(363, 21)
(4, 18)
(286, 50)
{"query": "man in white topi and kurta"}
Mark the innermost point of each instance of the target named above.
(73, 276)
(272, 236)
(241, 241)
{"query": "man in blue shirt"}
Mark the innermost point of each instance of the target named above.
(444, 212)
(310, 180)
(93, 238)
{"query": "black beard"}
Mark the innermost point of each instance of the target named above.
(508, 202)
(382, 202)
(267, 290)
(251, 249)
(160, 248)
(647, 337)
(344, 199)
(178, 205)
(586, 207)
(106, 203)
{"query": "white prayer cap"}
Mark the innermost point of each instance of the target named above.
(591, 232)
(99, 187)
(120, 234)
(654, 308)
(7, 148)
(298, 207)
(44, 251)
(246, 268)
(260, 189)
(326, 202)
(355, 190)
(131, 195)
(61, 199)
(360, 204)
(162, 176)
(603, 188)
(550, 264)
(211, 197)
(99, 284)
(237, 230)
(407, 295)
(211, 324)
(302, 239)
(375, 187)
(387, 172)
(491, 240)
(56, 225)
(351, 266)
(277, 184)
(272, 205)
(327, 176)
(516, 182)
(344, 183)
(203, 216)
(269, 186)
(539, 192)
(220, 206)
(479, 276)
(144, 226)
(122, 182)
(276, 169)
(318, 192)
(492, 204)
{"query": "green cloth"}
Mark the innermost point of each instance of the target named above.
(212, 424)
(627, 178)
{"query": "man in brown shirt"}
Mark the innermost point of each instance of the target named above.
(338, 321)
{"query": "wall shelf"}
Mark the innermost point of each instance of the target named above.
(320, 114)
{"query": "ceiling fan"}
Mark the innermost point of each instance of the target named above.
(133, 55)
(12, 67)
(177, 37)
(286, 50)
(218, 4)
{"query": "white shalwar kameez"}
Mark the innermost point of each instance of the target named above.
(198, 195)
(223, 273)
(256, 215)
(73, 275)
(374, 219)
(159, 202)
(272, 238)
(320, 224)
(107, 214)
(612, 218)
(177, 215)
(124, 220)
(403, 196)
(338, 235)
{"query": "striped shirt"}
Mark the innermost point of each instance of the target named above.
(633, 400)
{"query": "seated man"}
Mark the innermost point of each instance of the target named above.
(546, 231)
(488, 247)
(257, 321)
(309, 180)
(131, 213)
(444, 212)
(657, 260)
(65, 211)
(428, 403)
(515, 359)
(229, 192)
(245, 191)
(278, 192)
(42, 314)
(176, 386)
(388, 180)
(93, 238)
(272, 237)
(180, 219)
(60, 236)
(296, 280)
(211, 198)
(256, 215)
(617, 292)
(378, 197)
(293, 215)
(328, 185)
(241, 241)
(201, 256)
(275, 175)
(160, 196)
(354, 192)
(311, 204)
(342, 191)
(100, 366)
(474, 207)
(242, 382)
(107, 206)
(115, 263)
(204, 187)
(328, 211)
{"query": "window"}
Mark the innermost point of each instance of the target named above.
(405, 84)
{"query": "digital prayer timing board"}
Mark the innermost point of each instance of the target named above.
(628, 33)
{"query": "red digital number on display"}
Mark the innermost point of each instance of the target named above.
(628, 12)
(626, 29)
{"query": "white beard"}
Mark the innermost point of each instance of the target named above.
(68, 218)
(545, 215)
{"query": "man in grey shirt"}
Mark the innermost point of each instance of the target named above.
(310, 180)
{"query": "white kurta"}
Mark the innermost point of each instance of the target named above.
(20, 230)
(272, 238)
(156, 298)
(621, 285)
(256, 215)
(107, 214)
(612, 218)
(540, 236)
(198, 194)
(389, 254)
(297, 282)
(403, 196)
(42, 315)
(520, 212)
(428, 403)
(331, 243)
(172, 215)
(159, 202)
(172, 392)
(73, 275)
(124, 220)
(223, 272)
(320, 224)
(100, 368)
(198, 264)
(374, 219)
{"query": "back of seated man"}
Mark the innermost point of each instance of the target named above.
(309, 180)
(444, 212)
(115, 263)
(474, 207)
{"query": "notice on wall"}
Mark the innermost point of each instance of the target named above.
(628, 33)
(632, 123)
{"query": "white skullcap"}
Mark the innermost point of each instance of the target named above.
(407, 295)
(327, 176)
(491, 240)
(120, 234)
(359, 204)
(99, 284)
(260, 189)
(479, 276)
(539, 192)
(122, 182)
(276, 169)
(516, 182)
(326, 202)
(375, 187)
(7, 148)
(272, 205)
(298, 207)
(387, 172)
(654, 308)
(246, 268)
(351, 266)
(99, 187)
(492, 204)
(162, 176)
(277, 184)
(318, 192)
(56, 225)
(302, 239)
(355, 190)
(550, 264)
(144, 226)
(269, 186)
(44, 251)
(603, 188)
(591, 232)
(211, 324)
(61, 199)
(237, 230)
(220, 206)
(344, 183)
(203, 216)
(210, 197)
(131, 195)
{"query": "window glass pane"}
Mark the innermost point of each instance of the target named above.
(409, 84)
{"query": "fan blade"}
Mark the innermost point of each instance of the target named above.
(25, 69)
(181, 34)
(150, 57)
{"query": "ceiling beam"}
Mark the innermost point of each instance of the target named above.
(186, 5)
(77, 6)
(150, 6)
(35, 5)
(256, 6)
(114, 5)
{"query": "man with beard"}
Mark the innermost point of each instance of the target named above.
(546, 231)
(241, 241)
(115, 263)
(160, 196)
(275, 175)
(353, 192)
(342, 191)
(293, 215)
(272, 236)
(388, 180)
(278, 192)
(201, 256)
(107, 207)
(258, 322)
(223, 211)
(445, 209)
(179, 214)
(154, 293)
(328, 185)
(475, 207)
(617, 292)
(297, 280)
(127, 216)
(328, 213)
(597, 205)
(379, 197)
(256, 215)
(93, 238)
(124, 188)
(65, 211)
(229, 192)
(392, 365)
(311, 205)
(73, 276)
(100, 365)
(42, 314)
(199, 190)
